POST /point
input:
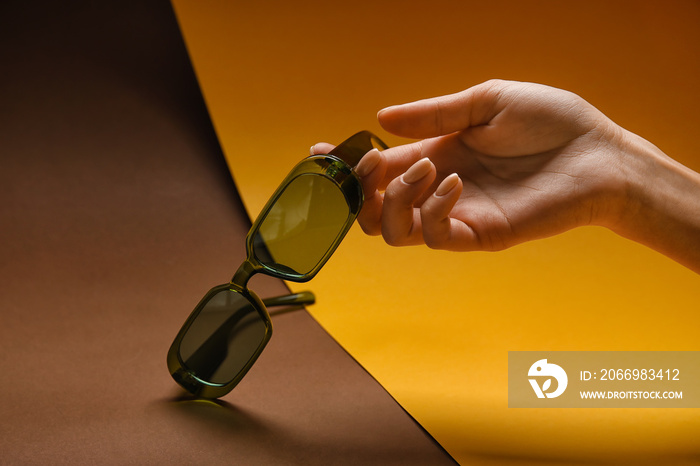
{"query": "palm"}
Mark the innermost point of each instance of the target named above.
(504, 198)
(507, 199)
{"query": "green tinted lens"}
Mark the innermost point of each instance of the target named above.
(226, 336)
(303, 224)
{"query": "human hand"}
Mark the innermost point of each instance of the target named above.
(497, 164)
(506, 162)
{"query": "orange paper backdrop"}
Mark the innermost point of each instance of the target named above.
(435, 328)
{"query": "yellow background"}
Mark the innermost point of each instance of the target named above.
(435, 328)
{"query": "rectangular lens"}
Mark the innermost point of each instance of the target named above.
(227, 335)
(302, 225)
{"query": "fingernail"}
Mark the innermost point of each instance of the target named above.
(311, 151)
(368, 163)
(447, 185)
(418, 171)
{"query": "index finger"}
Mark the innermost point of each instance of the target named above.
(439, 116)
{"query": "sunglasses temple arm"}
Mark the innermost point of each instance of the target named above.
(352, 149)
(302, 298)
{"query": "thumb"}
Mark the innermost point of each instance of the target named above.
(447, 114)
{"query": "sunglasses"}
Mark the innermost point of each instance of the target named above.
(292, 238)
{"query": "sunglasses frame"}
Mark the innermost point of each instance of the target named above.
(336, 166)
(343, 177)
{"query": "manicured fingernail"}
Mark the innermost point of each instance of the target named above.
(368, 162)
(311, 151)
(447, 185)
(418, 171)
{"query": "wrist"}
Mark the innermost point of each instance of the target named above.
(661, 201)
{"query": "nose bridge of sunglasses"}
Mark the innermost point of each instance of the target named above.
(244, 272)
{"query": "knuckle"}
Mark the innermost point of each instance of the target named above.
(430, 211)
(371, 229)
(393, 240)
(393, 237)
(434, 243)
(494, 82)
(393, 191)
(435, 240)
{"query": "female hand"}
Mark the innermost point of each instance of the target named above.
(506, 162)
